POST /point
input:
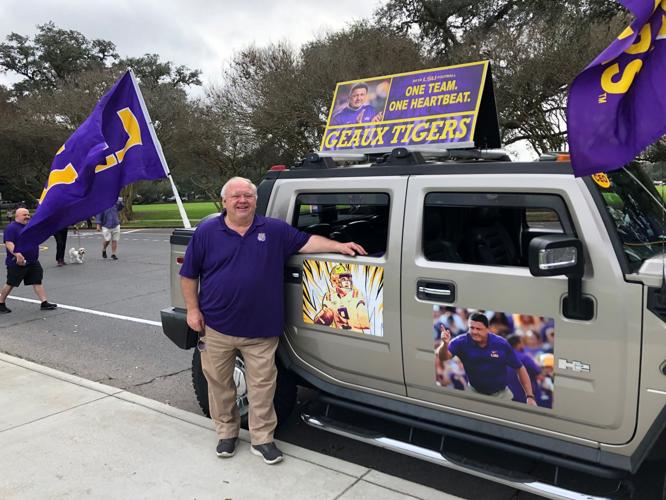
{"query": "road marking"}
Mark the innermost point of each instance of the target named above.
(96, 313)
(131, 231)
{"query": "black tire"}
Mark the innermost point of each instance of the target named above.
(650, 481)
(285, 392)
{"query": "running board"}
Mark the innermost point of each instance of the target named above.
(524, 482)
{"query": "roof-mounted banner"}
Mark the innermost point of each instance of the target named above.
(450, 107)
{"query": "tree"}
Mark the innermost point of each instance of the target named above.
(153, 73)
(358, 51)
(277, 98)
(53, 55)
(65, 74)
(536, 48)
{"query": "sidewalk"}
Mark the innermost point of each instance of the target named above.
(62, 436)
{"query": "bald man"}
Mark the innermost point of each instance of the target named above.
(232, 281)
(22, 267)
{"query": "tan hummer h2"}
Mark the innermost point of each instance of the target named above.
(511, 270)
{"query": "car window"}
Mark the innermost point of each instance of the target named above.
(486, 229)
(359, 217)
(636, 209)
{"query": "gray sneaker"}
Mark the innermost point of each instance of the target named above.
(269, 452)
(226, 447)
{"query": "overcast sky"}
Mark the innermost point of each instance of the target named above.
(201, 34)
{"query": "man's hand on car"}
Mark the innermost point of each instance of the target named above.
(351, 248)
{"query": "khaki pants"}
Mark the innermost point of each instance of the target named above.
(505, 393)
(218, 361)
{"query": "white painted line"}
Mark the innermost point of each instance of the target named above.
(92, 311)
(131, 231)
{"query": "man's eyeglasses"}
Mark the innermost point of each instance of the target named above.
(244, 196)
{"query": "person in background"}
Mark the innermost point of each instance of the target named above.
(109, 223)
(22, 267)
(547, 380)
(61, 242)
(533, 370)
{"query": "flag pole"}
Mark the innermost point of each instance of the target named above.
(160, 153)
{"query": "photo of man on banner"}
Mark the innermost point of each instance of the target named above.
(356, 103)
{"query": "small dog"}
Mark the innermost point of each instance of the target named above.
(77, 255)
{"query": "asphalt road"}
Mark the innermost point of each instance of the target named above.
(98, 338)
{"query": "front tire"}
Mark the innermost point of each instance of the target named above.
(285, 392)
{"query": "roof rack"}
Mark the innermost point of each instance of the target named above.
(419, 154)
(410, 155)
(400, 156)
(315, 161)
(555, 156)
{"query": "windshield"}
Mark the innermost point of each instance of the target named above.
(636, 208)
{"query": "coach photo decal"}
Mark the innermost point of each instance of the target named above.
(497, 354)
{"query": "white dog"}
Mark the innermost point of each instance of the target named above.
(77, 255)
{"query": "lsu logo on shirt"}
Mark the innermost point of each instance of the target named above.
(494, 354)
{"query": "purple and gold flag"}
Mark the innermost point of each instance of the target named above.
(114, 147)
(617, 105)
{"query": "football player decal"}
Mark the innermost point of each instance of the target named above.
(343, 306)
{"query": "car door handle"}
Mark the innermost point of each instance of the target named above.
(434, 291)
(437, 291)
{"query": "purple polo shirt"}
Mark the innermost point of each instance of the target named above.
(241, 278)
(485, 367)
(533, 371)
(364, 114)
(12, 232)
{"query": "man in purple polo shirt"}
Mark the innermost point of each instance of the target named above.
(533, 370)
(22, 267)
(232, 283)
(485, 357)
(357, 111)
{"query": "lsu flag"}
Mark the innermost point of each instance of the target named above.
(617, 105)
(115, 146)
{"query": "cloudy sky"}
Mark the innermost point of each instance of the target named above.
(200, 34)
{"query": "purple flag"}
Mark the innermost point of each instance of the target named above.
(114, 147)
(617, 105)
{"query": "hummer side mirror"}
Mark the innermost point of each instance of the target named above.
(557, 255)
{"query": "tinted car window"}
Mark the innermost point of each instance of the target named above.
(359, 217)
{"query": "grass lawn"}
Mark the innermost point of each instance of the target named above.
(167, 215)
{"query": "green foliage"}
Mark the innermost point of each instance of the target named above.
(536, 48)
(272, 105)
(151, 72)
(167, 214)
(65, 74)
(662, 192)
(196, 210)
(53, 55)
(276, 98)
